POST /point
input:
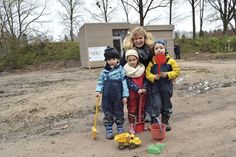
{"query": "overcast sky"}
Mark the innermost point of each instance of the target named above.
(54, 27)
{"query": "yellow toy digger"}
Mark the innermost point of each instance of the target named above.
(126, 139)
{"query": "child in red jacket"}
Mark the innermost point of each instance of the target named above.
(135, 76)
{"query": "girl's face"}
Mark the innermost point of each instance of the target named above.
(112, 62)
(132, 61)
(139, 40)
(159, 49)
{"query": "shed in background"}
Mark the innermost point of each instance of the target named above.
(95, 37)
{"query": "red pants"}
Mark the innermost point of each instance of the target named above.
(133, 106)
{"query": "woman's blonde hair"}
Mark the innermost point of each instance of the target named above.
(129, 43)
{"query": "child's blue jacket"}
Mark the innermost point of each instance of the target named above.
(117, 73)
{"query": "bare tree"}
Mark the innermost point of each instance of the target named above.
(70, 17)
(193, 4)
(106, 11)
(126, 8)
(170, 12)
(225, 8)
(202, 9)
(19, 15)
(142, 7)
(233, 27)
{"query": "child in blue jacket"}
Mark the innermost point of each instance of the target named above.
(113, 87)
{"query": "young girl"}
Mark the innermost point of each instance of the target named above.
(142, 41)
(113, 86)
(135, 72)
(161, 71)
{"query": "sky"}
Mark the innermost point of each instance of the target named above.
(55, 28)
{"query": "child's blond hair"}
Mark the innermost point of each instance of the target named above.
(129, 43)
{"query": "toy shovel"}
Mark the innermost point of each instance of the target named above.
(160, 59)
(159, 123)
(139, 126)
(94, 129)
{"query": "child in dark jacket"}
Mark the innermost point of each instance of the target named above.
(113, 87)
(135, 75)
(160, 72)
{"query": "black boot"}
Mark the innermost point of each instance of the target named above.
(165, 120)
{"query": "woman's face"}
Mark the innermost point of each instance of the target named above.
(159, 49)
(139, 40)
(132, 61)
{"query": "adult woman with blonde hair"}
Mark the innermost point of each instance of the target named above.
(142, 41)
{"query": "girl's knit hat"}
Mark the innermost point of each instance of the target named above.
(131, 52)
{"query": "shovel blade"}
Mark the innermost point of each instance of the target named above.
(94, 133)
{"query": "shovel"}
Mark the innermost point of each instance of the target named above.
(160, 59)
(94, 129)
(139, 126)
(159, 123)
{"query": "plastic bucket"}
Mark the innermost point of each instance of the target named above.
(156, 133)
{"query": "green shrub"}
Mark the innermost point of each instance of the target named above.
(37, 53)
(207, 44)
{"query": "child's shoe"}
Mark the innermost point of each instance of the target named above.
(109, 132)
(120, 129)
(131, 129)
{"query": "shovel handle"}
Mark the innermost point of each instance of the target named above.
(139, 108)
(159, 123)
(96, 112)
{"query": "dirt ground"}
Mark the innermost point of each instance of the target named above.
(50, 113)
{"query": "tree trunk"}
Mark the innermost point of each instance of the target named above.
(194, 25)
(141, 13)
(170, 18)
(71, 22)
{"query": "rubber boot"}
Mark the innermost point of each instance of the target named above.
(165, 120)
(131, 128)
(147, 117)
(120, 129)
(109, 132)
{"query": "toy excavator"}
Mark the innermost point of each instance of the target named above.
(126, 139)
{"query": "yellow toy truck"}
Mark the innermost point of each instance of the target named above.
(126, 139)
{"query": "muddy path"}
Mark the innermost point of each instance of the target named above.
(50, 113)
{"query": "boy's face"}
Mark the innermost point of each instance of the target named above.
(139, 40)
(112, 62)
(159, 49)
(132, 61)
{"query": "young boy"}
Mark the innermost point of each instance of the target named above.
(160, 72)
(113, 87)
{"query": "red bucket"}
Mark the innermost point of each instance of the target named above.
(156, 133)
